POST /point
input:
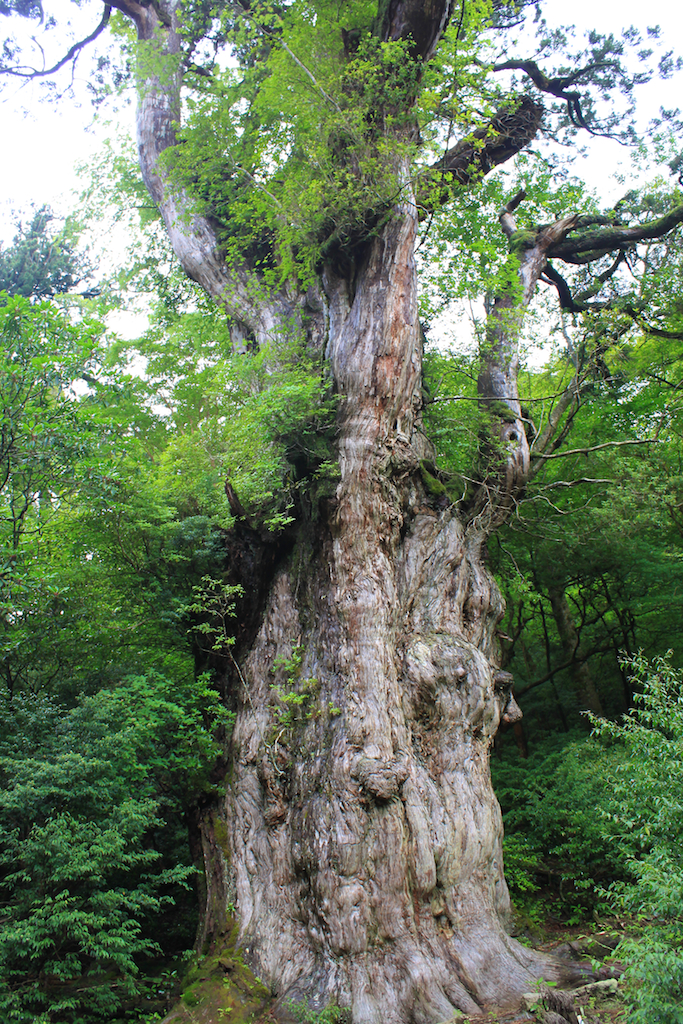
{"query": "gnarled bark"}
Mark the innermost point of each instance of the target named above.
(359, 841)
(365, 839)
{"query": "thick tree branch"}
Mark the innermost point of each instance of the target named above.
(551, 276)
(507, 449)
(656, 332)
(580, 301)
(508, 133)
(511, 463)
(192, 235)
(586, 246)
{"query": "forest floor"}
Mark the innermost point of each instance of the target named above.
(591, 944)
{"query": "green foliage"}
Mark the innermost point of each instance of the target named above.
(553, 835)
(265, 421)
(330, 1014)
(40, 262)
(453, 418)
(45, 434)
(99, 767)
(83, 791)
(646, 810)
(648, 785)
(654, 978)
(116, 205)
(604, 817)
(210, 611)
(465, 254)
(293, 693)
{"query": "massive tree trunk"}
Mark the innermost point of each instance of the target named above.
(359, 841)
(365, 838)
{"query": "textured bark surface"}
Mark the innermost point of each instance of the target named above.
(359, 841)
(365, 840)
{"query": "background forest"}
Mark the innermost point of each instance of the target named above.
(114, 457)
(120, 465)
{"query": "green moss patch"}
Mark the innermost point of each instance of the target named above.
(220, 987)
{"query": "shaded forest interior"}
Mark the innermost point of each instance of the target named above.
(292, 578)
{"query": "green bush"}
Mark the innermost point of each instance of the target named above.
(602, 818)
(91, 798)
(555, 836)
(645, 809)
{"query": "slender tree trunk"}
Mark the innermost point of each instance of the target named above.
(588, 697)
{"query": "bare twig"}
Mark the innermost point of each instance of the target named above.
(503, 398)
(573, 483)
(303, 67)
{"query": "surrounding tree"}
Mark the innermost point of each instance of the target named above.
(40, 262)
(361, 840)
(83, 791)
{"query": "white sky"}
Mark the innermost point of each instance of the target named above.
(42, 148)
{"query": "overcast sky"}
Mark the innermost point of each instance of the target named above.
(41, 148)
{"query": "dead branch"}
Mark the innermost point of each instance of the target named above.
(559, 86)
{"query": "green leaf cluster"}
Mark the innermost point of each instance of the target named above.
(91, 801)
(41, 262)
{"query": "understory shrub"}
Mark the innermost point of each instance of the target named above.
(645, 811)
(598, 822)
(555, 837)
(92, 840)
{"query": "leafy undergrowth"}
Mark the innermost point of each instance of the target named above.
(594, 826)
